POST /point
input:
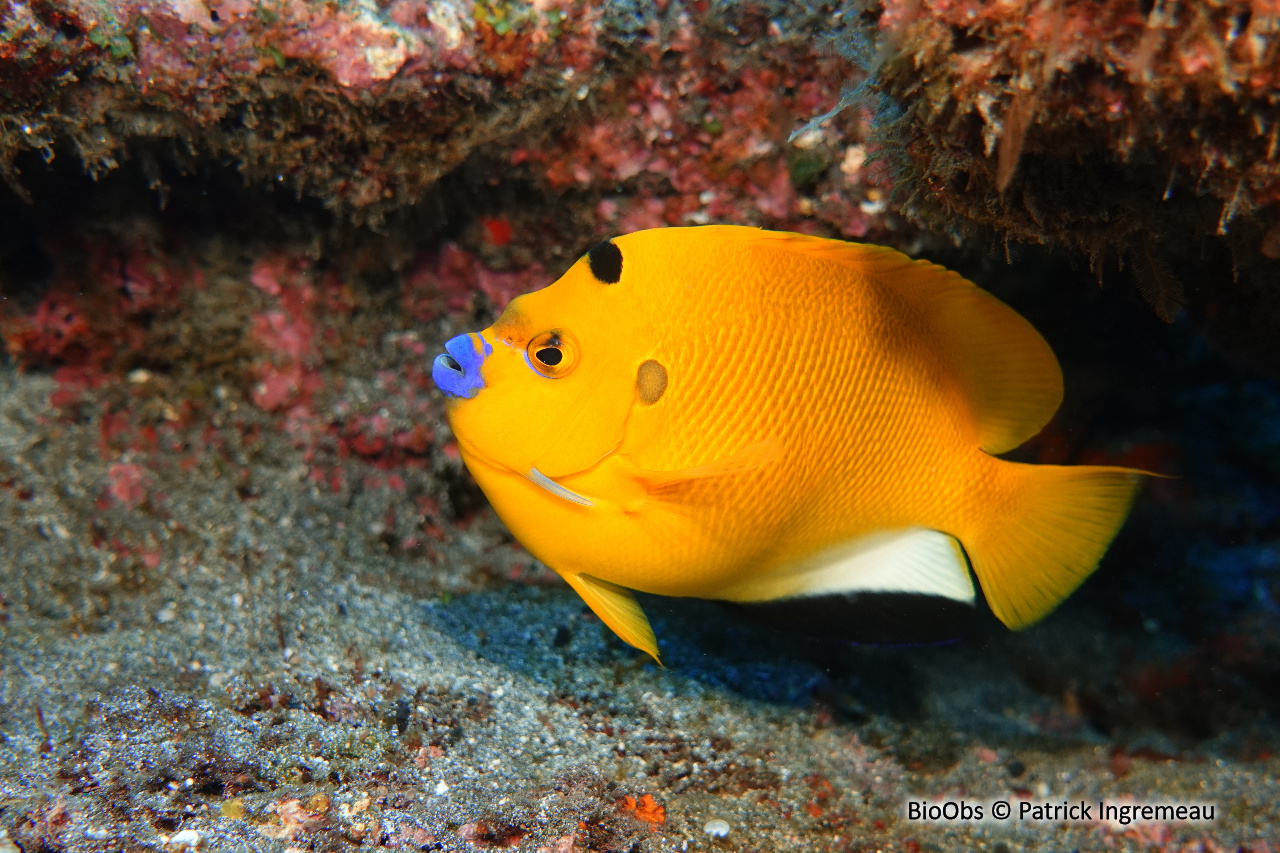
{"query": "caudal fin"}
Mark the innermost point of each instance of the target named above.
(1055, 526)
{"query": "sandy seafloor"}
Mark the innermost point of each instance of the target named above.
(273, 676)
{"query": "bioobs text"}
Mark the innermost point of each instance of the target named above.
(949, 810)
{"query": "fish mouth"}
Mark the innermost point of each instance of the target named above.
(456, 371)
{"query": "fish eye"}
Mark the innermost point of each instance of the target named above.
(552, 354)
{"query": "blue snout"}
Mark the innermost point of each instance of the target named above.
(456, 371)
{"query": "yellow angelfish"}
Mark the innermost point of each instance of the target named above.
(800, 425)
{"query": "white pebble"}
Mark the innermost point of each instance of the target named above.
(187, 839)
(716, 828)
(855, 157)
(442, 788)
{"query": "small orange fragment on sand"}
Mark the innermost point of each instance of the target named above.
(646, 808)
(318, 804)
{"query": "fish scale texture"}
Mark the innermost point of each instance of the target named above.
(767, 345)
(785, 347)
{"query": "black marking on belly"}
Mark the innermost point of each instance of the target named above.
(890, 618)
(605, 260)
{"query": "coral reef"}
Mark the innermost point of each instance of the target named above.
(1019, 106)
(362, 105)
(1140, 134)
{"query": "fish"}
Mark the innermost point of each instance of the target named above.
(806, 429)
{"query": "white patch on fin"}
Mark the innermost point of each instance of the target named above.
(558, 490)
(917, 560)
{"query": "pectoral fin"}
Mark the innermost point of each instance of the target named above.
(618, 609)
(668, 483)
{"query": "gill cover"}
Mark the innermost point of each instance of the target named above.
(560, 381)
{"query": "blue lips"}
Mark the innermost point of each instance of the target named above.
(457, 370)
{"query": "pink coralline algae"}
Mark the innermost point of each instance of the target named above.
(452, 279)
(85, 330)
(356, 45)
(127, 484)
(288, 373)
(276, 343)
(705, 140)
(97, 326)
(53, 330)
(293, 92)
(366, 106)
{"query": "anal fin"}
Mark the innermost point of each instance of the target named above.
(916, 560)
(900, 587)
(617, 607)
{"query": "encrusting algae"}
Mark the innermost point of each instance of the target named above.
(802, 426)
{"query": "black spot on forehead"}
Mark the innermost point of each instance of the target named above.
(605, 260)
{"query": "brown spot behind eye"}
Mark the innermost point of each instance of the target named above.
(651, 381)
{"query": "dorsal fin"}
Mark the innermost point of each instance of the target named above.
(1010, 375)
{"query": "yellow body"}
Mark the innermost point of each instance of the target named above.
(817, 393)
